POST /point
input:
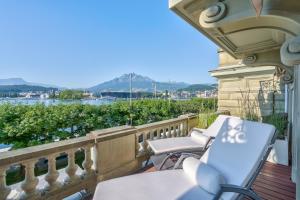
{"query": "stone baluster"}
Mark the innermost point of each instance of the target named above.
(185, 127)
(151, 134)
(169, 132)
(138, 145)
(158, 133)
(4, 190)
(174, 131)
(164, 135)
(145, 144)
(29, 184)
(52, 174)
(71, 168)
(88, 162)
(179, 130)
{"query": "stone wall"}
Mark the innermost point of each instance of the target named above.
(248, 90)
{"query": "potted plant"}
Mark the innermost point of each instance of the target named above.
(279, 153)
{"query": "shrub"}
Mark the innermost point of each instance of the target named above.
(29, 125)
(206, 119)
(280, 121)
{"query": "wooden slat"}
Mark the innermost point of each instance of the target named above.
(274, 182)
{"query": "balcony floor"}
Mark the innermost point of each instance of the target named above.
(273, 183)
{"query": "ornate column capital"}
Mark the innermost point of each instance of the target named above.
(290, 52)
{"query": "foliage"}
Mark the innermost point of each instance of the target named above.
(206, 119)
(28, 125)
(280, 121)
(70, 94)
(248, 106)
(199, 87)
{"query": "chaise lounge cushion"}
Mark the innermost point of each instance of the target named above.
(166, 185)
(199, 137)
(177, 144)
(207, 177)
(238, 150)
(196, 142)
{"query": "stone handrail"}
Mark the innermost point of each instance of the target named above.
(159, 130)
(107, 153)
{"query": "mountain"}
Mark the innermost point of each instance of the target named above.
(20, 81)
(139, 84)
(24, 88)
(199, 87)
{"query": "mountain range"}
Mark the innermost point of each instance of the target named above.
(199, 87)
(20, 81)
(120, 84)
(139, 84)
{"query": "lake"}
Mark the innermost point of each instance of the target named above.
(32, 101)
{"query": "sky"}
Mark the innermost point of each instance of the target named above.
(81, 43)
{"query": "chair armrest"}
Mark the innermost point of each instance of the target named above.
(209, 142)
(178, 154)
(237, 189)
(202, 130)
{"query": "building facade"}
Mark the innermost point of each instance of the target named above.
(249, 91)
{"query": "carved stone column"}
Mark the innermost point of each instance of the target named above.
(290, 56)
(88, 162)
(30, 182)
(71, 168)
(52, 174)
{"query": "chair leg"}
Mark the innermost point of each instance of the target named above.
(147, 161)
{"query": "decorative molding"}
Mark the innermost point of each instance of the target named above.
(290, 52)
(258, 47)
(249, 59)
(213, 13)
(242, 71)
(285, 74)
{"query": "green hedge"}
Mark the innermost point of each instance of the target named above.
(28, 125)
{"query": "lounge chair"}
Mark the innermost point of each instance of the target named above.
(225, 171)
(195, 144)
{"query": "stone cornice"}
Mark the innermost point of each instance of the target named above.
(241, 70)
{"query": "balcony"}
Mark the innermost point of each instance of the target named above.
(109, 153)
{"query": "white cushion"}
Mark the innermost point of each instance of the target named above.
(199, 137)
(204, 175)
(216, 126)
(195, 143)
(175, 144)
(166, 185)
(238, 149)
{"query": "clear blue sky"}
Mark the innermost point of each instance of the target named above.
(80, 43)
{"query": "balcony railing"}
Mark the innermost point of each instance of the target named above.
(107, 153)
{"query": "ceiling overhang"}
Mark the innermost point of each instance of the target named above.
(235, 27)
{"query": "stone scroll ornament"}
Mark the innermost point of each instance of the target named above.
(258, 5)
(290, 52)
(212, 14)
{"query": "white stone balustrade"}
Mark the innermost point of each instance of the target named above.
(116, 151)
